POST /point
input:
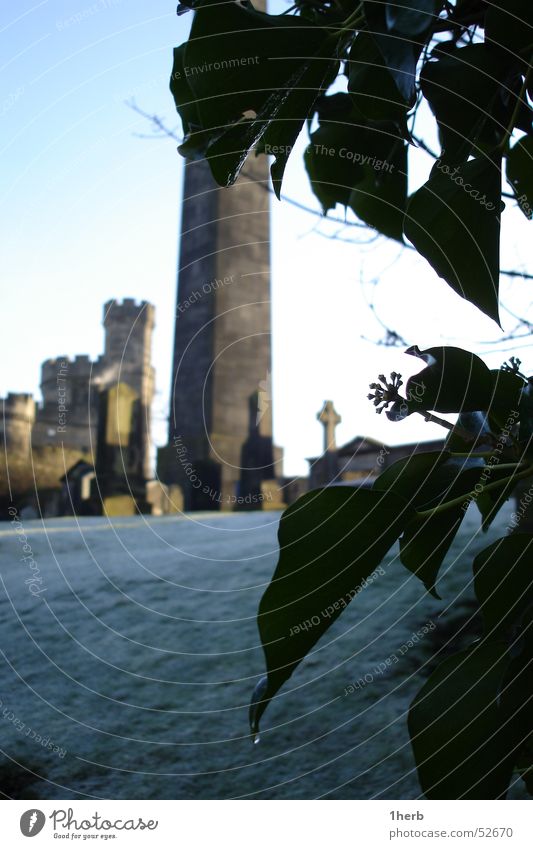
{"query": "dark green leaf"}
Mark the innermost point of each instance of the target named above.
(461, 87)
(276, 126)
(411, 17)
(525, 764)
(182, 92)
(359, 164)
(490, 503)
(245, 70)
(295, 108)
(331, 177)
(461, 749)
(454, 380)
(236, 58)
(526, 416)
(519, 170)
(195, 139)
(380, 198)
(516, 699)
(370, 84)
(454, 222)
(330, 541)
(425, 543)
(427, 538)
(427, 480)
(413, 477)
(503, 582)
(477, 425)
(400, 53)
(509, 26)
(504, 401)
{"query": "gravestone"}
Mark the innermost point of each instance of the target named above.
(326, 468)
(329, 417)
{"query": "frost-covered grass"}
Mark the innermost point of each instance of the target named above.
(139, 657)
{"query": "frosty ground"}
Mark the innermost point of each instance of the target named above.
(129, 675)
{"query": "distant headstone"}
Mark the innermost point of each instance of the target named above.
(329, 417)
(326, 468)
(257, 460)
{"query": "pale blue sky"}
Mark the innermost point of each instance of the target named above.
(88, 211)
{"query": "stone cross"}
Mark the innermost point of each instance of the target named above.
(329, 417)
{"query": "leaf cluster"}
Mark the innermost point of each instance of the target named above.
(246, 81)
(470, 721)
(355, 74)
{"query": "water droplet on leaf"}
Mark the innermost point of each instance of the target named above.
(257, 706)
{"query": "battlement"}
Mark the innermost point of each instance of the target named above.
(128, 310)
(65, 368)
(17, 417)
(55, 362)
(18, 404)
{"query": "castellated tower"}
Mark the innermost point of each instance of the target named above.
(16, 422)
(128, 347)
(127, 359)
(69, 413)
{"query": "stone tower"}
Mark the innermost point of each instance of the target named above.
(220, 447)
(69, 411)
(17, 415)
(127, 359)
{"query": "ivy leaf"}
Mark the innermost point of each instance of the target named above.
(276, 126)
(525, 764)
(457, 380)
(454, 380)
(526, 416)
(490, 503)
(425, 543)
(425, 481)
(462, 749)
(400, 53)
(476, 424)
(413, 477)
(380, 198)
(460, 86)
(331, 177)
(316, 76)
(427, 538)
(516, 699)
(509, 26)
(195, 139)
(503, 583)
(237, 57)
(330, 540)
(358, 163)
(454, 222)
(519, 171)
(238, 63)
(370, 85)
(411, 17)
(504, 402)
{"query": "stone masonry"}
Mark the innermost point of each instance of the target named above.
(219, 450)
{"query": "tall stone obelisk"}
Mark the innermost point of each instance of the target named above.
(220, 448)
